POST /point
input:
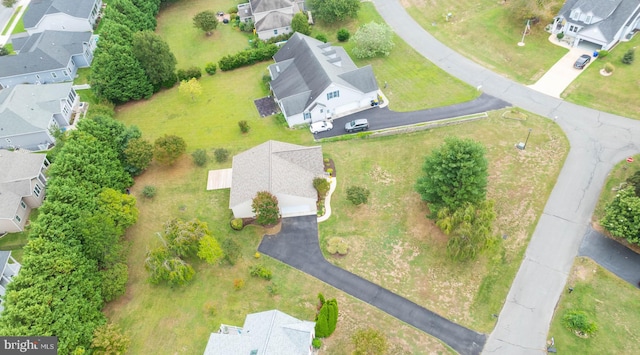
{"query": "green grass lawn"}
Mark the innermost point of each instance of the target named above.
(484, 31)
(11, 20)
(618, 175)
(611, 302)
(190, 45)
(16, 241)
(82, 76)
(617, 93)
(19, 26)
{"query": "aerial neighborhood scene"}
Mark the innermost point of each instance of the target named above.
(274, 177)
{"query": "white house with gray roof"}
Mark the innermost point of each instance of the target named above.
(283, 169)
(271, 17)
(9, 268)
(47, 57)
(314, 81)
(22, 187)
(61, 15)
(598, 24)
(265, 333)
(28, 114)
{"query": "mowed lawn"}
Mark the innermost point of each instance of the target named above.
(617, 93)
(609, 301)
(485, 31)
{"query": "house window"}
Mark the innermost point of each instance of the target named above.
(23, 205)
(331, 95)
(275, 32)
(588, 20)
(54, 75)
(307, 115)
(8, 140)
(72, 96)
(66, 73)
(37, 190)
(18, 218)
(37, 76)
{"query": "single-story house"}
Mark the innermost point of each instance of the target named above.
(9, 268)
(270, 17)
(283, 169)
(47, 57)
(22, 187)
(314, 81)
(265, 333)
(61, 15)
(598, 24)
(29, 113)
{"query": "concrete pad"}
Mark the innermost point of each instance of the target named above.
(219, 179)
(561, 74)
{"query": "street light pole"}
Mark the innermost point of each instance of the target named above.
(526, 140)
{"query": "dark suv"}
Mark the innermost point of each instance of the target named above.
(357, 125)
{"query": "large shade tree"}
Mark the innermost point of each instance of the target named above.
(330, 11)
(206, 21)
(454, 174)
(117, 75)
(156, 58)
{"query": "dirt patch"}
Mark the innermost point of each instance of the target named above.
(380, 176)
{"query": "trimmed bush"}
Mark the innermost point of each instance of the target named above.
(244, 126)
(316, 343)
(200, 157)
(149, 191)
(322, 186)
(603, 53)
(579, 322)
(260, 271)
(188, 74)
(337, 245)
(609, 68)
(560, 35)
(221, 155)
(322, 38)
(629, 56)
(247, 57)
(358, 195)
(210, 68)
(343, 35)
(237, 224)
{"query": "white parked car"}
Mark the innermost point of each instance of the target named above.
(320, 126)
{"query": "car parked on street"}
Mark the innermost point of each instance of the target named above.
(582, 61)
(357, 125)
(320, 126)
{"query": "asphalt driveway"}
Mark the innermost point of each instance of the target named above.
(382, 118)
(613, 256)
(297, 245)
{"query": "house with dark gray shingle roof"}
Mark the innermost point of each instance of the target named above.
(314, 81)
(283, 169)
(47, 57)
(271, 17)
(265, 333)
(598, 24)
(61, 15)
(22, 187)
(28, 114)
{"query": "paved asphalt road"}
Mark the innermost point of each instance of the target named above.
(613, 256)
(297, 245)
(598, 141)
(381, 118)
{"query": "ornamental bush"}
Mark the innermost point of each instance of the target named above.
(358, 195)
(322, 186)
(221, 155)
(210, 68)
(200, 157)
(343, 35)
(629, 56)
(260, 271)
(237, 224)
(188, 74)
(337, 245)
(579, 322)
(149, 191)
(247, 57)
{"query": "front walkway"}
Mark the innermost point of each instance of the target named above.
(297, 245)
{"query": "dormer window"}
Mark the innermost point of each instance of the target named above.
(588, 20)
(575, 14)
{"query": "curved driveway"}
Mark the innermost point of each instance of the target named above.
(598, 140)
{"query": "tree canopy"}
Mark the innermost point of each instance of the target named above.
(300, 23)
(330, 11)
(168, 148)
(470, 229)
(454, 174)
(206, 21)
(373, 39)
(622, 215)
(116, 75)
(265, 206)
(155, 57)
(138, 156)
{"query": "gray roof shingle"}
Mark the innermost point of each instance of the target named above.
(39, 8)
(269, 5)
(614, 13)
(305, 67)
(16, 171)
(277, 167)
(48, 50)
(274, 20)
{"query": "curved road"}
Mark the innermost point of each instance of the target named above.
(598, 141)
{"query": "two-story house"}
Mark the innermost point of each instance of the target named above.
(271, 17)
(314, 81)
(22, 187)
(61, 15)
(29, 113)
(47, 57)
(598, 24)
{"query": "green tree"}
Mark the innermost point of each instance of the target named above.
(265, 206)
(155, 57)
(183, 238)
(454, 173)
(330, 11)
(622, 215)
(206, 21)
(470, 229)
(629, 56)
(138, 156)
(164, 267)
(114, 281)
(120, 208)
(300, 24)
(373, 39)
(3, 51)
(108, 339)
(114, 33)
(327, 318)
(168, 148)
(527, 9)
(634, 180)
(210, 250)
(126, 13)
(9, 3)
(191, 88)
(151, 7)
(116, 75)
(369, 341)
(358, 195)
